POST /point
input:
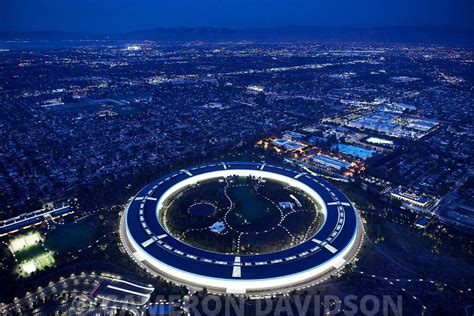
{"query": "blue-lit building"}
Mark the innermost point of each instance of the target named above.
(287, 144)
(150, 244)
(353, 151)
(330, 162)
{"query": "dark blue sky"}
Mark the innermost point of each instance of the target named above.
(126, 15)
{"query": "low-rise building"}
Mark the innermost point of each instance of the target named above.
(330, 162)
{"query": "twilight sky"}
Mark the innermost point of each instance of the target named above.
(126, 15)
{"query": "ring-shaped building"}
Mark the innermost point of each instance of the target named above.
(150, 244)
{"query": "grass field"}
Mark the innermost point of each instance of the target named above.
(30, 252)
(413, 253)
(71, 237)
(23, 242)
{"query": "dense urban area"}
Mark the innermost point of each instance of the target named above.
(85, 124)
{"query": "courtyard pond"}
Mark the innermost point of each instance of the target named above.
(202, 209)
(252, 211)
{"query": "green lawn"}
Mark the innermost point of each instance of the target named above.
(412, 250)
(71, 237)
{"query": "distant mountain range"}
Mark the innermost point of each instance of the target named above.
(446, 36)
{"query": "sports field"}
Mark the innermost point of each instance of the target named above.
(23, 242)
(30, 254)
(37, 263)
